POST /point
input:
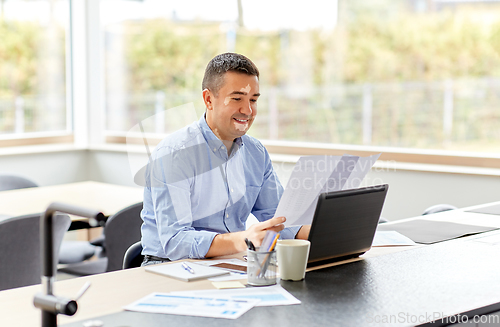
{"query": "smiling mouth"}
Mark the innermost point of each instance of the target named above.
(241, 121)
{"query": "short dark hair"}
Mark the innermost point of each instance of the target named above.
(223, 63)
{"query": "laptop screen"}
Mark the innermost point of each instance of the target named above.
(344, 224)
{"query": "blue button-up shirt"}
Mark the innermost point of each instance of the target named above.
(195, 191)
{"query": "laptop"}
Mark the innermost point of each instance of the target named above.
(344, 224)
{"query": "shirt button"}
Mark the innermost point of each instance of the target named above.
(215, 149)
(227, 215)
(232, 190)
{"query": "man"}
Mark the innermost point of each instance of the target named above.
(205, 179)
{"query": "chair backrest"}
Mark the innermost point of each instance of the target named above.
(438, 208)
(133, 257)
(20, 251)
(13, 182)
(121, 231)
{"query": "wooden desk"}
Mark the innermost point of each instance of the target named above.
(107, 198)
(108, 294)
(447, 277)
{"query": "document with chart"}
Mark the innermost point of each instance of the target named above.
(201, 306)
(313, 175)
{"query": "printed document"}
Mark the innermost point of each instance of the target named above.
(313, 175)
(268, 295)
(201, 306)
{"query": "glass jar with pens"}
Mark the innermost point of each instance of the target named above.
(261, 261)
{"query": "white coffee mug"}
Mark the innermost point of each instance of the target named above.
(292, 258)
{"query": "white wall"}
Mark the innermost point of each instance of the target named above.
(110, 167)
(410, 192)
(48, 168)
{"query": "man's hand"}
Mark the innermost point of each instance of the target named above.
(231, 243)
(256, 232)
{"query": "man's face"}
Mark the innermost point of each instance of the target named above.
(231, 113)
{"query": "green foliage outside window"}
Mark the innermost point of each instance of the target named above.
(18, 65)
(32, 77)
(316, 81)
(163, 54)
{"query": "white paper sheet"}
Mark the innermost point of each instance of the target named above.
(231, 276)
(313, 175)
(361, 168)
(190, 305)
(490, 239)
(268, 295)
(309, 175)
(391, 238)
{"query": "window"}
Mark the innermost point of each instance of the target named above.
(413, 74)
(34, 96)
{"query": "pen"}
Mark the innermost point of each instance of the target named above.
(274, 242)
(187, 268)
(250, 244)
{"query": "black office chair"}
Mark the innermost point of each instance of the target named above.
(77, 251)
(133, 257)
(438, 208)
(121, 231)
(20, 253)
(71, 251)
(14, 182)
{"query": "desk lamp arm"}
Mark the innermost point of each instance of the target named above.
(47, 302)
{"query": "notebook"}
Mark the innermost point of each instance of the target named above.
(344, 224)
(177, 271)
